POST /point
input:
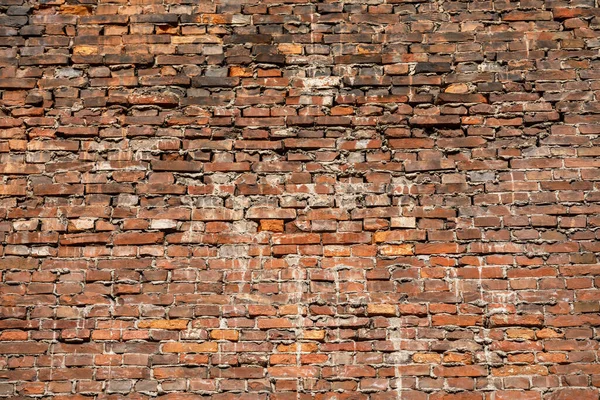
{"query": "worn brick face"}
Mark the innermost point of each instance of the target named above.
(292, 199)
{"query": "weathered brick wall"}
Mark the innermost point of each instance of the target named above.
(292, 199)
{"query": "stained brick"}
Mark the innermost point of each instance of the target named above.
(138, 238)
(164, 324)
(270, 213)
(217, 214)
(186, 347)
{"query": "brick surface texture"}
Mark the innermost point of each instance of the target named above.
(296, 199)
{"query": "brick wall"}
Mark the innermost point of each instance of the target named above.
(292, 199)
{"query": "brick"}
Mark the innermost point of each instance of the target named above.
(314, 335)
(23, 348)
(511, 370)
(516, 320)
(227, 167)
(32, 237)
(398, 236)
(25, 83)
(74, 10)
(413, 143)
(309, 143)
(206, 81)
(204, 144)
(217, 214)
(461, 98)
(274, 225)
(18, 263)
(179, 166)
(465, 370)
(162, 99)
(574, 393)
(435, 120)
(57, 190)
(20, 169)
(293, 372)
(178, 324)
(346, 238)
(184, 347)
(270, 213)
(358, 59)
(433, 67)
(527, 16)
(403, 222)
(84, 238)
(138, 238)
(13, 190)
(438, 248)
(381, 309)
(458, 320)
(396, 250)
(296, 238)
(225, 334)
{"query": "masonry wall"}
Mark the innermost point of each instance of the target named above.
(290, 199)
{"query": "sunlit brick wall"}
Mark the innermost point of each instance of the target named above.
(294, 200)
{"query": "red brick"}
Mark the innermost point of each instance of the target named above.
(511, 370)
(346, 238)
(293, 372)
(438, 248)
(574, 393)
(270, 213)
(138, 238)
(216, 214)
(465, 370)
(32, 237)
(413, 143)
(459, 320)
